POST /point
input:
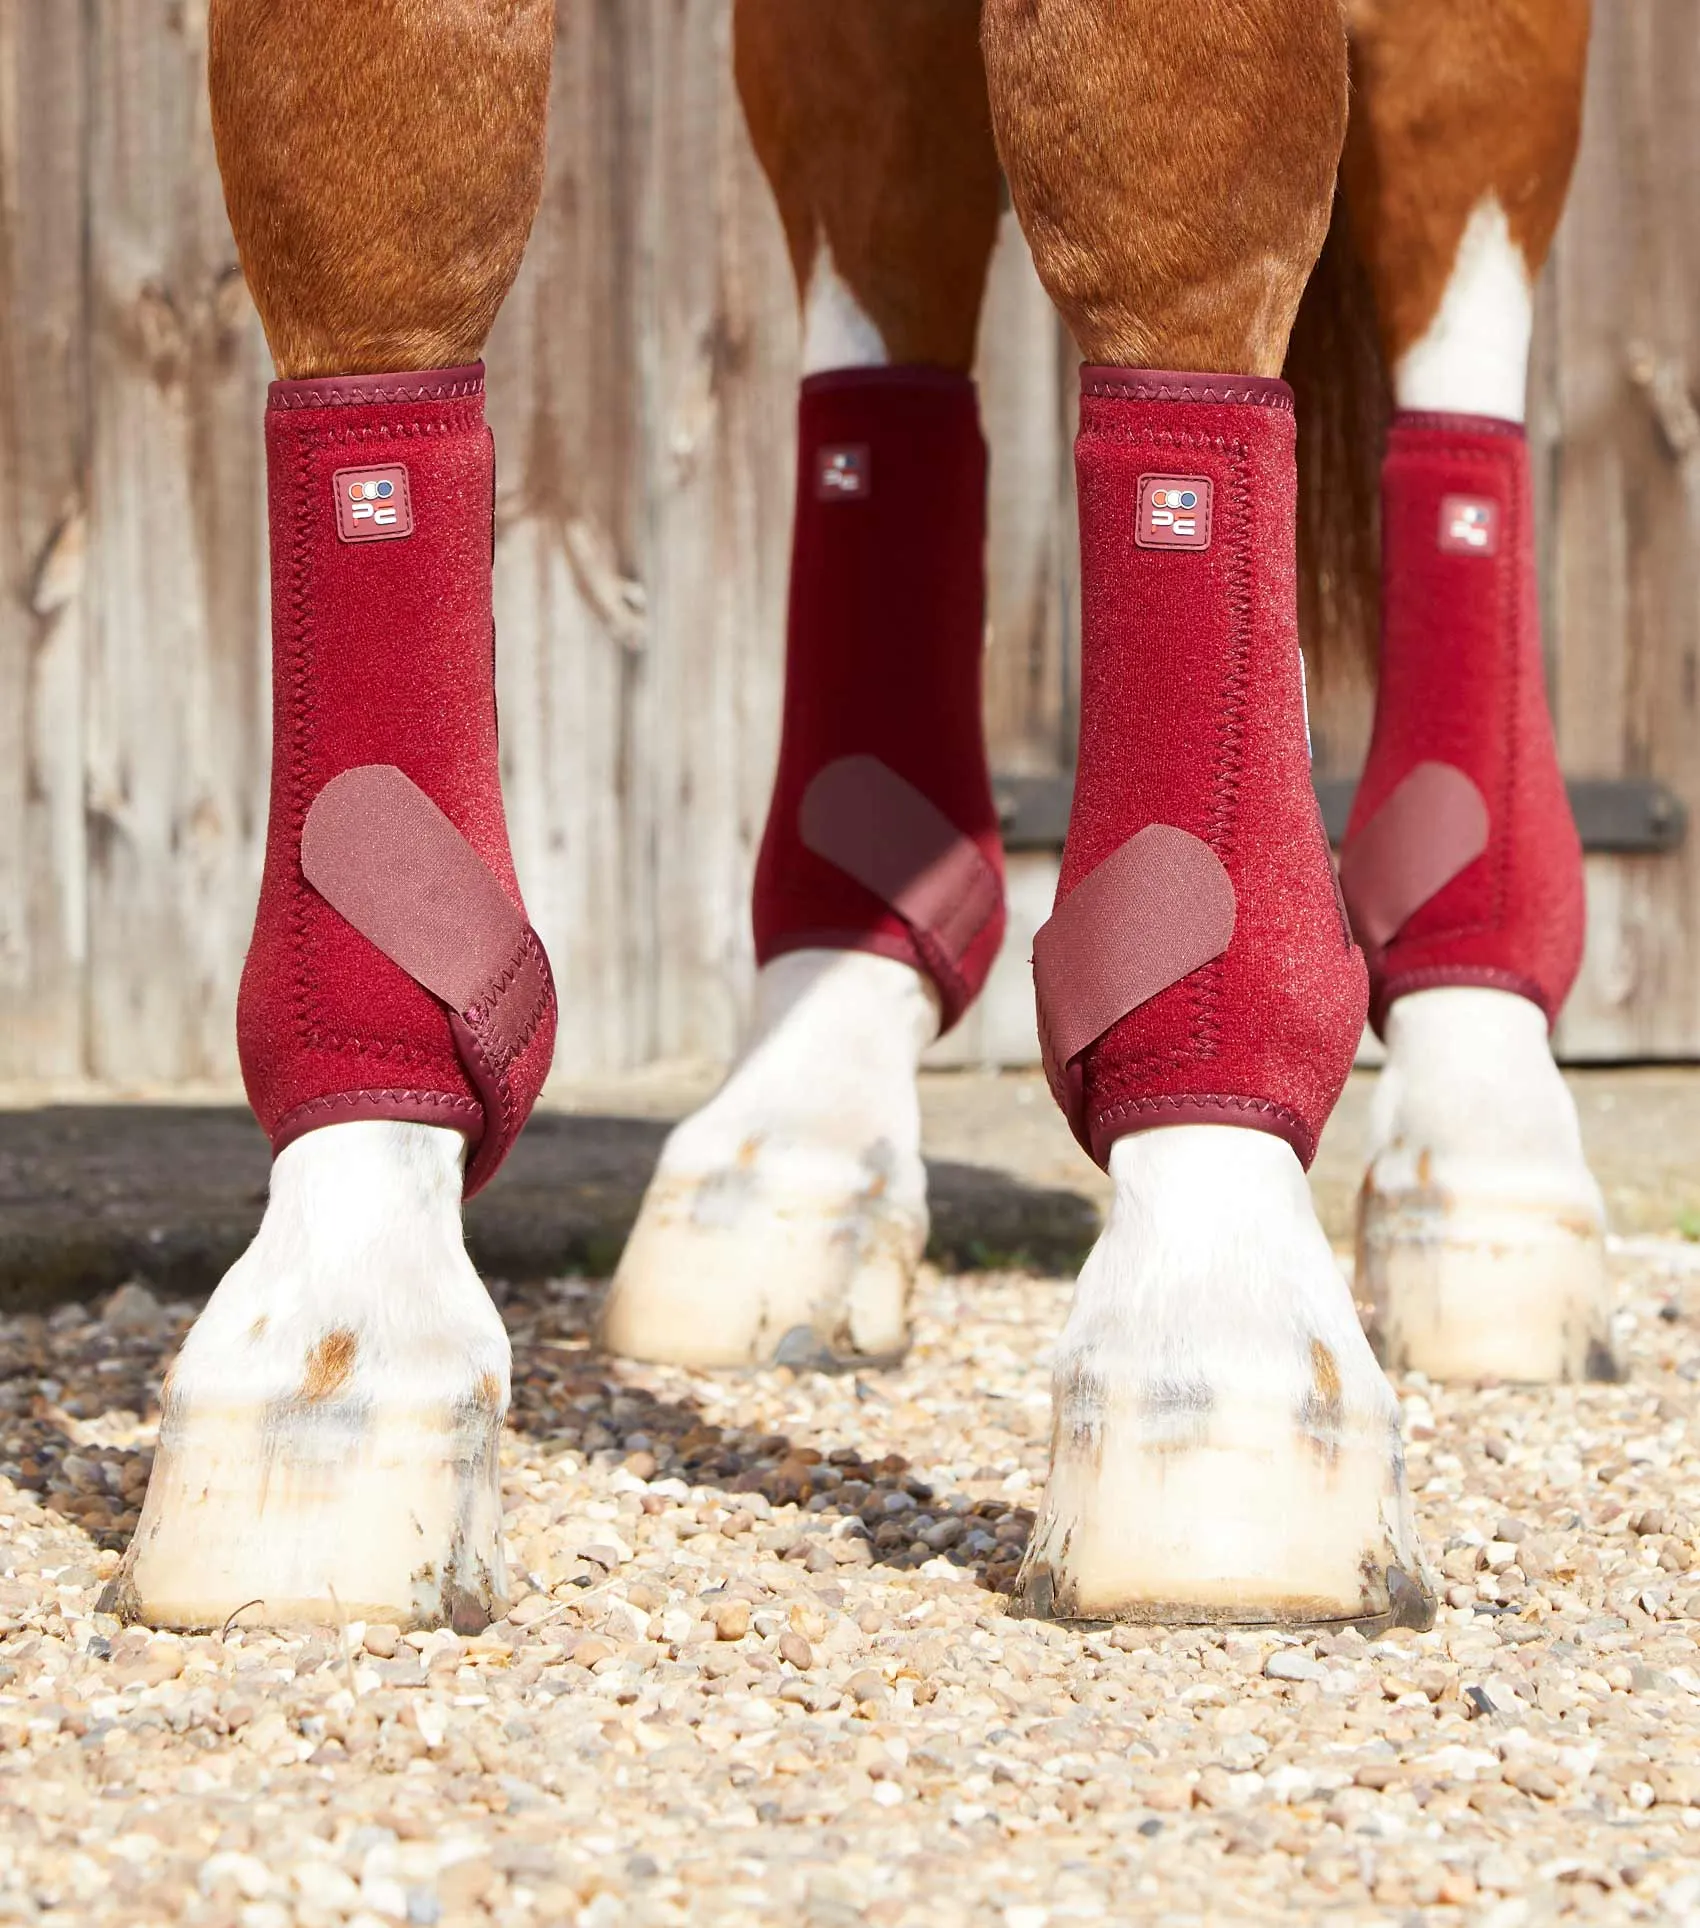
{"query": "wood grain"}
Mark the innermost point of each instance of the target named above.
(43, 540)
(176, 692)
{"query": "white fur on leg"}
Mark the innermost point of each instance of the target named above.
(328, 1444)
(787, 1217)
(838, 332)
(1473, 359)
(1224, 1446)
(1481, 1231)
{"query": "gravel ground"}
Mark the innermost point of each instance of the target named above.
(759, 1668)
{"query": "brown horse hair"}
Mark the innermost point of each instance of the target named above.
(1345, 399)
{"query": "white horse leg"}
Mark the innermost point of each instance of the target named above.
(1224, 1444)
(328, 1445)
(1481, 1230)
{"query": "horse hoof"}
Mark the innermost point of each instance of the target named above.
(789, 1254)
(1481, 1231)
(787, 1218)
(299, 1512)
(329, 1440)
(1224, 1448)
(1492, 1273)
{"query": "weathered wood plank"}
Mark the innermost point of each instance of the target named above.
(1625, 595)
(720, 321)
(176, 700)
(43, 532)
(571, 614)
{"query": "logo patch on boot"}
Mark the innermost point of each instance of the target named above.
(1469, 525)
(1174, 512)
(373, 505)
(844, 473)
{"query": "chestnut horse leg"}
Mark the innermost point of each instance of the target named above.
(328, 1444)
(1225, 1448)
(788, 1216)
(1481, 1229)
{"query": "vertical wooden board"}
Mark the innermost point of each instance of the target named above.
(571, 606)
(1626, 601)
(1026, 375)
(177, 735)
(720, 316)
(43, 347)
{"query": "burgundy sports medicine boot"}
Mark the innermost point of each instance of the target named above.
(787, 1217)
(1225, 1446)
(1480, 1238)
(393, 973)
(882, 834)
(1198, 968)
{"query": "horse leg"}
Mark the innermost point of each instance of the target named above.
(788, 1216)
(1481, 1230)
(329, 1437)
(1225, 1447)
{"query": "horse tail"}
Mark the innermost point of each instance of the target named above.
(1344, 396)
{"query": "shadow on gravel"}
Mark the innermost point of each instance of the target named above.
(568, 1398)
(93, 1195)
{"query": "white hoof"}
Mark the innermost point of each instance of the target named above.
(786, 1219)
(328, 1447)
(1481, 1231)
(1224, 1447)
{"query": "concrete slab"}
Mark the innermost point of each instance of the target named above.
(96, 1192)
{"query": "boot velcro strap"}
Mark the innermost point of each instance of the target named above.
(387, 859)
(1147, 916)
(876, 827)
(1433, 824)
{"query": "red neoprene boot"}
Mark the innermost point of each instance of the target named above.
(882, 834)
(1462, 864)
(392, 972)
(1198, 968)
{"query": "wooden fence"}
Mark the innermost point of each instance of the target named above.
(642, 382)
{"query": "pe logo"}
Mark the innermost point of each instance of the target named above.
(1174, 512)
(843, 474)
(1469, 525)
(373, 505)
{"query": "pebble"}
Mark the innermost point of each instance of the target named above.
(133, 1309)
(732, 1620)
(794, 1648)
(758, 1668)
(1286, 1663)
